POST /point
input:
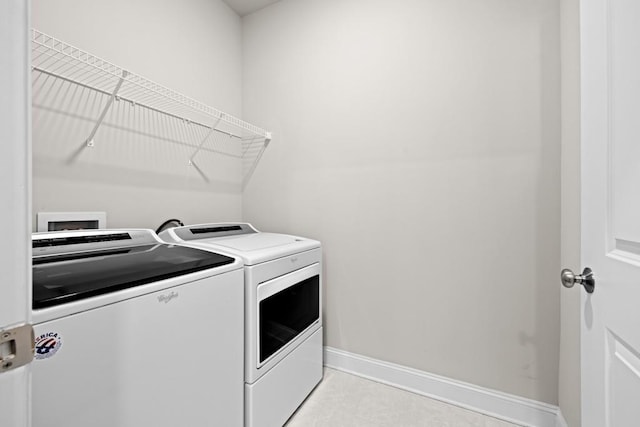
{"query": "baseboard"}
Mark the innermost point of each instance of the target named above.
(515, 409)
(560, 421)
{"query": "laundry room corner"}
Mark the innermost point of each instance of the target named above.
(420, 142)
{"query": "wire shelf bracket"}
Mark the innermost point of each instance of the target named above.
(90, 142)
(213, 129)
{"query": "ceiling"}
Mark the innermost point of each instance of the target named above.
(245, 7)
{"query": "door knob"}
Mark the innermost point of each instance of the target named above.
(585, 279)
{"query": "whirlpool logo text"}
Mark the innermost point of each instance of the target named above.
(168, 297)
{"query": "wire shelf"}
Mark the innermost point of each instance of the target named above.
(56, 59)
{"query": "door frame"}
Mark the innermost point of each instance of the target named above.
(15, 191)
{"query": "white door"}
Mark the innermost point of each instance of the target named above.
(610, 39)
(15, 210)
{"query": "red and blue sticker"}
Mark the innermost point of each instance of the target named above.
(47, 345)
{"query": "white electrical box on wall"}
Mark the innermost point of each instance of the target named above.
(58, 221)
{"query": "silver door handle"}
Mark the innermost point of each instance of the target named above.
(585, 279)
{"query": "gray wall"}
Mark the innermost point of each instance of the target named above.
(193, 47)
(420, 142)
(569, 379)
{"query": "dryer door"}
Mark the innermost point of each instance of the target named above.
(287, 307)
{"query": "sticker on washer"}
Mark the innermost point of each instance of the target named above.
(47, 345)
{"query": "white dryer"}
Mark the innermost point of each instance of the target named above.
(131, 331)
(283, 314)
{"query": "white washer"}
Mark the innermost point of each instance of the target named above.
(132, 332)
(283, 312)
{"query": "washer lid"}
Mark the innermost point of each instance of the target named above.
(62, 278)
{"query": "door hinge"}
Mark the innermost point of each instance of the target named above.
(16, 347)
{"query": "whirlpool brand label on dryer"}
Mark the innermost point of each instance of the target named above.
(47, 345)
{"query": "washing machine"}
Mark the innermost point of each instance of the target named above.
(283, 314)
(132, 332)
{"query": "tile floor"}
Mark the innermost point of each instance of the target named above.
(344, 400)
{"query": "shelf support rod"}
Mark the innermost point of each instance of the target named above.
(211, 130)
(197, 168)
(105, 110)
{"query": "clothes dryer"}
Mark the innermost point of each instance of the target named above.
(283, 314)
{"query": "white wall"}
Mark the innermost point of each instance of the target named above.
(193, 47)
(569, 379)
(419, 141)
